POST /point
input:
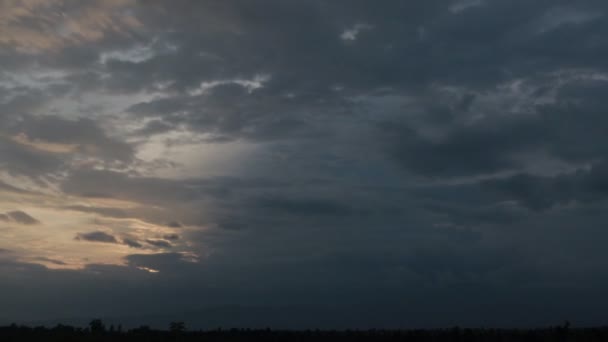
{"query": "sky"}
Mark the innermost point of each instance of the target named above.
(304, 164)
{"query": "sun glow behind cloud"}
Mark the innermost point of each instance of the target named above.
(43, 145)
(54, 243)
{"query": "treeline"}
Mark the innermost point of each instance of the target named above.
(98, 332)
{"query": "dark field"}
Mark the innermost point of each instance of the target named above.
(177, 332)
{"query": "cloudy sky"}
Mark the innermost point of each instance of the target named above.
(318, 163)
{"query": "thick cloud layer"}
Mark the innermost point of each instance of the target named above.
(304, 164)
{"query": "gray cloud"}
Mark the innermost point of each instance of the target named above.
(159, 243)
(541, 193)
(171, 237)
(305, 207)
(160, 261)
(52, 261)
(19, 217)
(21, 160)
(132, 243)
(97, 236)
(85, 134)
(10, 188)
(109, 212)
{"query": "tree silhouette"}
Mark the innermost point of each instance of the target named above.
(177, 333)
(177, 327)
(97, 327)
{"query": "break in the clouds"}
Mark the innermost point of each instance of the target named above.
(304, 163)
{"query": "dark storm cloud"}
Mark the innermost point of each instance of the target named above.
(567, 129)
(232, 112)
(306, 207)
(214, 46)
(574, 124)
(494, 211)
(97, 236)
(299, 83)
(300, 73)
(541, 193)
(460, 153)
(425, 157)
